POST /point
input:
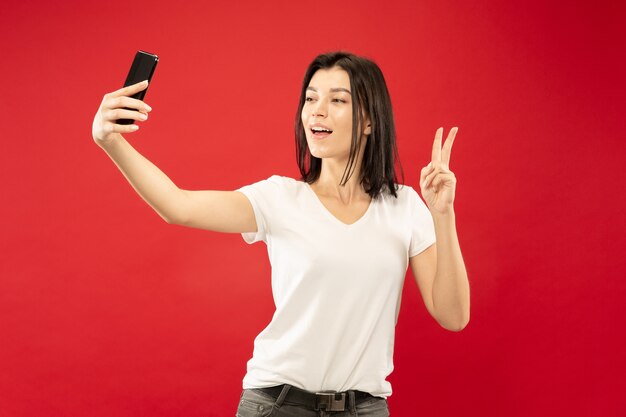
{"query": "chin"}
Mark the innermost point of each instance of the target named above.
(327, 150)
(314, 150)
(316, 153)
(319, 153)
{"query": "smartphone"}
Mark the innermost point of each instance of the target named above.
(142, 69)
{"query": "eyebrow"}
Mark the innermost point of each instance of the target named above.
(332, 90)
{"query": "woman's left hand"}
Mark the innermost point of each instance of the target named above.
(437, 182)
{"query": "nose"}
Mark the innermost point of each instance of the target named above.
(319, 109)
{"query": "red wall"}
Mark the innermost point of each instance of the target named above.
(106, 310)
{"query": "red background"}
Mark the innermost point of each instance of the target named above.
(106, 310)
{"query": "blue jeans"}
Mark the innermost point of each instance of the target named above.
(256, 403)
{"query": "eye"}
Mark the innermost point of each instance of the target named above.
(340, 100)
(309, 99)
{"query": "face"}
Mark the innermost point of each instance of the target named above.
(327, 114)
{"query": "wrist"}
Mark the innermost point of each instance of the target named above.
(445, 215)
(111, 141)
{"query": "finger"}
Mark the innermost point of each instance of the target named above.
(443, 179)
(116, 114)
(123, 101)
(442, 171)
(436, 155)
(131, 89)
(425, 171)
(115, 128)
(447, 146)
(428, 180)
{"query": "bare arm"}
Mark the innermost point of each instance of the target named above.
(441, 277)
(440, 270)
(222, 211)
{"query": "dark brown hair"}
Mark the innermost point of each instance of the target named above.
(370, 96)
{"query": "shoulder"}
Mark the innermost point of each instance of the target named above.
(273, 186)
(405, 191)
(279, 182)
(406, 195)
(283, 181)
(407, 202)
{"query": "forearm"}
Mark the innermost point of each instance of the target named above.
(148, 181)
(451, 295)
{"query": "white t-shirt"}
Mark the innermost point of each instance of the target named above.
(336, 287)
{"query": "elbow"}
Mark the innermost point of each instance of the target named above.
(176, 213)
(456, 325)
(171, 219)
(174, 216)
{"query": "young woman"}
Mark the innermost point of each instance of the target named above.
(339, 240)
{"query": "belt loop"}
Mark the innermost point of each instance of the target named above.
(281, 397)
(352, 402)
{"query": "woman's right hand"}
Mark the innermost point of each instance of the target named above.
(104, 129)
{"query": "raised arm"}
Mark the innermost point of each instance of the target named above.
(221, 211)
(439, 270)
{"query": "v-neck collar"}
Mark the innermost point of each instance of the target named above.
(331, 215)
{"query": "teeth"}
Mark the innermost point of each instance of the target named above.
(320, 129)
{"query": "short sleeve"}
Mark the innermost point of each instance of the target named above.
(422, 225)
(261, 194)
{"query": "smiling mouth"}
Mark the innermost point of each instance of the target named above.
(320, 132)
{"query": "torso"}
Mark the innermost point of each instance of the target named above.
(337, 278)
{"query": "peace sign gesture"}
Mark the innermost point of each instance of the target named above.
(437, 182)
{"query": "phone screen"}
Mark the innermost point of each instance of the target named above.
(142, 68)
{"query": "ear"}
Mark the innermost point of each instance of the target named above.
(368, 127)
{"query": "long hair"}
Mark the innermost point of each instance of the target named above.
(370, 96)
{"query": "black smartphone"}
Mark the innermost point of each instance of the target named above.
(142, 69)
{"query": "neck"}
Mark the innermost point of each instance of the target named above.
(329, 182)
